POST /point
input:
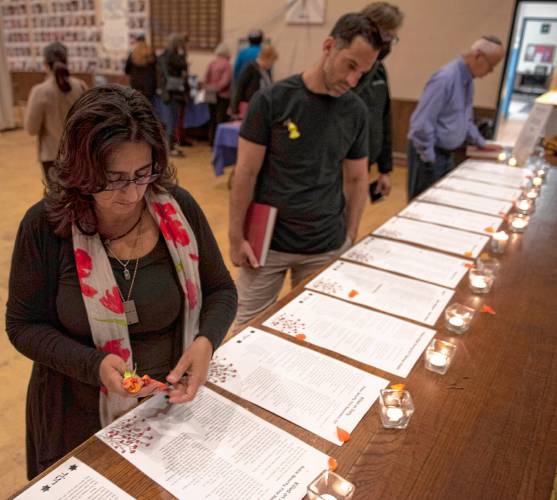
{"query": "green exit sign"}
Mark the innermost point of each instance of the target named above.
(546, 28)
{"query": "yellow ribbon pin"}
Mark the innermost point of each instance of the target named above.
(293, 132)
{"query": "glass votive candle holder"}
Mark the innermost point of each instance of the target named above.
(458, 318)
(396, 408)
(480, 280)
(537, 181)
(518, 222)
(330, 486)
(532, 193)
(524, 205)
(489, 265)
(499, 241)
(438, 356)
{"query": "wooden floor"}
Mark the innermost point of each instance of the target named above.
(20, 181)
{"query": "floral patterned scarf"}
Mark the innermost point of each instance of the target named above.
(105, 309)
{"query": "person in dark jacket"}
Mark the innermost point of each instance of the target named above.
(174, 72)
(141, 67)
(115, 268)
(373, 88)
(255, 75)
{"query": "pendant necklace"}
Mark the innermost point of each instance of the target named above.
(125, 271)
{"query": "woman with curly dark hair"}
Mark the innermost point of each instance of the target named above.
(116, 268)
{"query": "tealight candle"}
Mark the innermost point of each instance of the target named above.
(396, 408)
(330, 486)
(537, 181)
(540, 172)
(512, 161)
(499, 241)
(438, 356)
(524, 205)
(480, 280)
(518, 222)
(458, 318)
(502, 156)
(532, 194)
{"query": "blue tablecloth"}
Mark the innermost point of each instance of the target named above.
(226, 145)
(196, 115)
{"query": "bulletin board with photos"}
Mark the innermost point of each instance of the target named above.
(30, 25)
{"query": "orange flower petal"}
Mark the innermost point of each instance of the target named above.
(489, 229)
(132, 384)
(488, 310)
(484, 256)
(353, 293)
(467, 253)
(300, 336)
(397, 387)
(469, 265)
(332, 464)
(343, 435)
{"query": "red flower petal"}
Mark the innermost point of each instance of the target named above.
(112, 301)
(194, 257)
(83, 263)
(488, 310)
(343, 435)
(115, 347)
(87, 290)
(191, 292)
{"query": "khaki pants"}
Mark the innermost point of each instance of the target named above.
(259, 288)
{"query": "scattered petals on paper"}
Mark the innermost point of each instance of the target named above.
(353, 293)
(343, 435)
(300, 336)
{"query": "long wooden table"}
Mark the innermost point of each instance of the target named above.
(487, 429)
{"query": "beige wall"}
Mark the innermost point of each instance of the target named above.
(435, 31)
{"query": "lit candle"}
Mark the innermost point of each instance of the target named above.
(540, 173)
(456, 320)
(537, 181)
(512, 161)
(532, 194)
(394, 413)
(502, 156)
(342, 487)
(523, 205)
(478, 282)
(438, 359)
(499, 241)
(519, 223)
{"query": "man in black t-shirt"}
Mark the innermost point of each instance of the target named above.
(303, 149)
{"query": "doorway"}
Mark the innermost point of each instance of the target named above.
(529, 66)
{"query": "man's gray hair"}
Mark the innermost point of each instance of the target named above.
(488, 45)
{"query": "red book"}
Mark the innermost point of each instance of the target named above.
(258, 229)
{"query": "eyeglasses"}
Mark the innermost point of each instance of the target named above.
(140, 180)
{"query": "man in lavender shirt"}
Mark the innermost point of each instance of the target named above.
(443, 119)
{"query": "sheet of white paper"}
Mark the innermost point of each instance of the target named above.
(479, 188)
(412, 261)
(212, 448)
(387, 292)
(466, 201)
(430, 235)
(374, 338)
(491, 167)
(531, 131)
(74, 480)
(495, 179)
(452, 217)
(312, 390)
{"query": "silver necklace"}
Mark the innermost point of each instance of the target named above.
(126, 271)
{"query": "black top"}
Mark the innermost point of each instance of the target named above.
(302, 177)
(373, 88)
(249, 82)
(66, 363)
(143, 78)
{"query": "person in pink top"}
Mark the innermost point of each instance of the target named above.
(217, 82)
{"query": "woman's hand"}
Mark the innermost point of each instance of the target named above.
(191, 371)
(111, 373)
